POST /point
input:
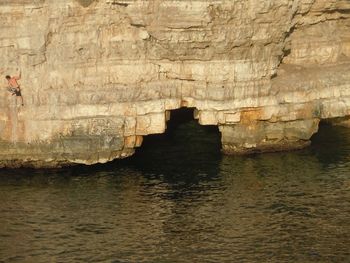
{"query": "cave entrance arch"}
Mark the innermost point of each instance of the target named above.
(330, 143)
(184, 142)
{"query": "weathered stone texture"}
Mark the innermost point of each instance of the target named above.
(99, 75)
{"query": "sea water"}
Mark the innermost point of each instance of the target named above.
(180, 200)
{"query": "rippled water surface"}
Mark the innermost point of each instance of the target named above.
(180, 200)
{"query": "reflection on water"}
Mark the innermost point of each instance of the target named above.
(180, 201)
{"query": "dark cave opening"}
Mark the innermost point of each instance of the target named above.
(331, 143)
(184, 142)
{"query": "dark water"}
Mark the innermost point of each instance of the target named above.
(179, 200)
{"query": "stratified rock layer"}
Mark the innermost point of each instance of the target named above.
(99, 75)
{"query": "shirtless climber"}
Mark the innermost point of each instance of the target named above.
(14, 87)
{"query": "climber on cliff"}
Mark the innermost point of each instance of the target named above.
(14, 87)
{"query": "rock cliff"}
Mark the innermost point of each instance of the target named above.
(98, 75)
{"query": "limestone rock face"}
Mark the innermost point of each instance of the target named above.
(98, 75)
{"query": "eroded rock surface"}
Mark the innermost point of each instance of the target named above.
(99, 75)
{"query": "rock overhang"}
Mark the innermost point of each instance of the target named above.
(98, 77)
